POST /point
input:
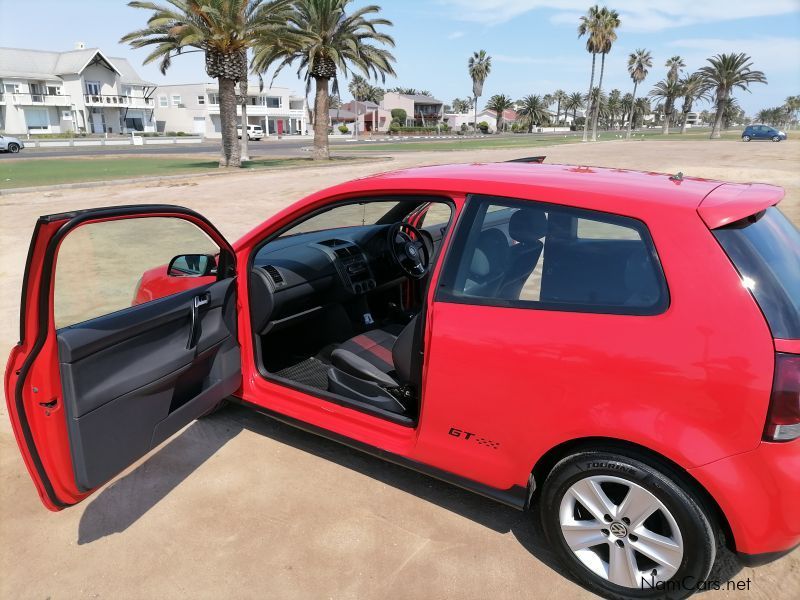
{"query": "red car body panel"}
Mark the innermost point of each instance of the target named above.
(156, 283)
(691, 384)
(763, 482)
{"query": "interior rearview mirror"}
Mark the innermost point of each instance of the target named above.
(192, 265)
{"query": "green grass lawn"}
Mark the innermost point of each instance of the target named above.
(17, 172)
(525, 141)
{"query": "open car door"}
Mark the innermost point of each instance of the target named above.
(104, 373)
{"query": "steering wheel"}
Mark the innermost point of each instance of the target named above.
(408, 249)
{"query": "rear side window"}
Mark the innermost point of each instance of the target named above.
(765, 248)
(525, 254)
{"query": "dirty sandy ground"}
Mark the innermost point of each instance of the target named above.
(237, 506)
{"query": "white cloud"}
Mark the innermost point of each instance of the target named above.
(455, 35)
(635, 15)
(768, 54)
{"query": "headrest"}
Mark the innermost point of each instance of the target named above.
(639, 276)
(528, 225)
(491, 252)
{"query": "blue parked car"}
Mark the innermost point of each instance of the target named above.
(762, 132)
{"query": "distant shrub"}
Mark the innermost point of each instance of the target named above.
(483, 126)
(343, 129)
(399, 115)
(394, 127)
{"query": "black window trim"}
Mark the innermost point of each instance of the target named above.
(467, 222)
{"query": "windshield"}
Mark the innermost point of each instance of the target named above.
(765, 248)
(348, 215)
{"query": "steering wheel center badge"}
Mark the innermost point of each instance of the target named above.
(411, 250)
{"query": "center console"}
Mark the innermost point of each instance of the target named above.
(351, 264)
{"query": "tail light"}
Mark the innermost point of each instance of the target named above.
(783, 418)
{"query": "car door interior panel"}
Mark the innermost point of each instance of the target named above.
(133, 378)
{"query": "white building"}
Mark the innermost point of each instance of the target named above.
(80, 91)
(194, 108)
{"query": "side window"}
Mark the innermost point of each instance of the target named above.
(436, 214)
(102, 267)
(533, 255)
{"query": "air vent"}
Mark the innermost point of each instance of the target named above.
(333, 243)
(345, 252)
(274, 274)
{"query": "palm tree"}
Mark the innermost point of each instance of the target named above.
(599, 101)
(460, 106)
(559, 97)
(533, 111)
(626, 105)
(792, 105)
(589, 25)
(641, 107)
(723, 74)
(639, 63)
(599, 25)
(574, 102)
(666, 90)
(674, 64)
(609, 21)
(224, 31)
(499, 103)
(693, 88)
(326, 40)
(614, 106)
(363, 91)
(731, 112)
(479, 65)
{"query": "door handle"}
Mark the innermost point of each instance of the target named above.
(194, 319)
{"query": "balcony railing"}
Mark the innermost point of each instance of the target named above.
(116, 100)
(42, 99)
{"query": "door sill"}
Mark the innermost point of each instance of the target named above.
(516, 496)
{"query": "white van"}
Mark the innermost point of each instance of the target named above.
(254, 132)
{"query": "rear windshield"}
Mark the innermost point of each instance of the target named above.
(765, 248)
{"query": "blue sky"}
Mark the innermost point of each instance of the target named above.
(533, 43)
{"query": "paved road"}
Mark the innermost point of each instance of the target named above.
(270, 148)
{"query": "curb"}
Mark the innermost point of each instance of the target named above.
(95, 184)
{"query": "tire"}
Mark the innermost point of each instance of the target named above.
(670, 570)
(13, 148)
(776, 138)
(746, 138)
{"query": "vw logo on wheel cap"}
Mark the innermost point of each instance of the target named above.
(618, 529)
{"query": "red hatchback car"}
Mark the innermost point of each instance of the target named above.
(620, 349)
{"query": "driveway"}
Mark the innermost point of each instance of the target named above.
(238, 506)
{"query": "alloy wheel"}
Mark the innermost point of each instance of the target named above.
(620, 531)
(13, 148)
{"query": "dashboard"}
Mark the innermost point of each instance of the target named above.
(303, 273)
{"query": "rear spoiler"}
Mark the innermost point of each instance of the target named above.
(528, 159)
(731, 202)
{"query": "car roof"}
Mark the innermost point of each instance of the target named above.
(590, 182)
(639, 194)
